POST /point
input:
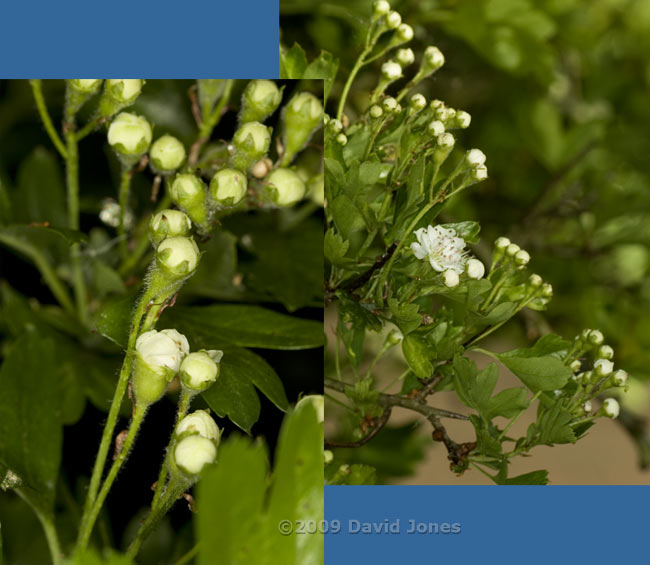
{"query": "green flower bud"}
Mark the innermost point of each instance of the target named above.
(502, 243)
(375, 111)
(285, 187)
(433, 59)
(450, 278)
(575, 365)
(168, 223)
(404, 33)
(535, 281)
(262, 168)
(260, 100)
(390, 104)
(587, 407)
(547, 290)
(328, 457)
(522, 257)
(512, 249)
(620, 377)
(228, 187)
(603, 367)
(393, 19)
(479, 173)
(201, 423)
(302, 117)
(394, 337)
(158, 358)
(405, 57)
(391, 71)
(605, 352)
(380, 8)
(596, 337)
(417, 102)
(444, 144)
(178, 256)
(317, 401)
(436, 128)
(129, 135)
(119, 93)
(199, 370)
(86, 85)
(462, 119)
(611, 408)
(193, 453)
(167, 154)
(250, 142)
(188, 192)
(342, 139)
(475, 157)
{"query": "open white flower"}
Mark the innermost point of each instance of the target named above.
(442, 247)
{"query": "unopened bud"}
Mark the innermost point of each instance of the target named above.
(302, 116)
(285, 186)
(620, 377)
(86, 85)
(334, 126)
(250, 142)
(169, 223)
(375, 111)
(129, 135)
(380, 8)
(535, 281)
(341, 139)
(522, 257)
(201, 423)
(462, 119)
(587, 407)
(394, 337)
(479, 173)
(405, 57)
(450, 278)
(391, 70)
(417, 102)
(404, 33)
(119, 93)
(178, 256)
(433, 59)
(611, 408)
(446, 141)
(200, 369)
(167, 154)
(260, 99)
(228, 187)
(603, 367)
(193, 453)
(547, 290)
(475, 269)
(502, 243)
(393, 19)
(436, 128)
(188, 193)
(475, 157)
(605, 352)
(596, 337)
(389, 104)
(575, 365)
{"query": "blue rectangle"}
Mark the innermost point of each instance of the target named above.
(139, 39)
(504, 525)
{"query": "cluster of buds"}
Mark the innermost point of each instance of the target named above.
(509, 253)
(78, 91)
(195, 442)
(163, 355)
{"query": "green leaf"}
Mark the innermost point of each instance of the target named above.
(293, 62)
(217, 325)
(352, 475)
(296, 493)
(507, 403)
(417, 354)
(323, 67)
(288, 265)
(92, 557)
(113, 319)
(547, 345)
(40, 194)
(407, 317)
(554, 426)
(335, 248)
(234, 397)
(533, 478)
(229, 501)
(30, 417)
(537, 373)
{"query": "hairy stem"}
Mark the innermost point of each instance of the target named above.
(125, 188)
(89, 520)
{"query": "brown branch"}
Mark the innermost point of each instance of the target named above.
(362, 279)
(376, 425)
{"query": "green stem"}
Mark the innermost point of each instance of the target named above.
(72, 181)
(114, 411)
(188, 556)
(47, 523)
(386, 269)
(37, 91)
(516, 417)
(89, 522)
(353, 73)
(125, 187)
(49, 275)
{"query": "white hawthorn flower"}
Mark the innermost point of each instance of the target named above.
(450, 278)
(129, 134)
(611, 408)
(620, 377)
(199, 422)
(162, 350)
(603, 367)
(200, 369)
(167, 154)
(391, 70)
(193, 453)
(405, 57)
(442, 247)
(286, 187)
(475, 269)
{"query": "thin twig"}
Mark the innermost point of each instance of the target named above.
(376, 425)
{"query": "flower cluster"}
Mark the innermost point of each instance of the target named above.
(446, 254)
